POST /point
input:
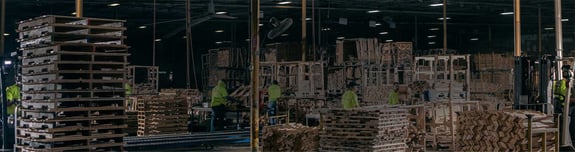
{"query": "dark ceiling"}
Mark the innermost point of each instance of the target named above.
(479, 19)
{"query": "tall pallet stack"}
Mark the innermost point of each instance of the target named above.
(228, 64)
(364, 129)
(493, 76)
(72, 89)
(162, 114)
(505, 131)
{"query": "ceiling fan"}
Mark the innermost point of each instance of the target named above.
(210, 14)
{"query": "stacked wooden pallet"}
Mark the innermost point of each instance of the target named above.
(290, 138)
(493, 61)
(504, 131)
(364, 129)
(404, 53)
(162, 114)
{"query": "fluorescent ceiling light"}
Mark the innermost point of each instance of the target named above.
(221, 13)
(142, 27)
(564, 20)
(184, 37)
(340, 38)
(506, 13)
(284, 35)
(284, 2)
(441, 18)
(383, 33)
(373, 11)
(261, 24)
(114, 4)
(73, 13)
(377, 24)
(436, 4)
(431, 36)
(434, 29)
(474, 39)
(7, 62)
(6, 34)
(158, 40)
(326, 29)
(219, 31)
(548, 28)
(430, 43)
(388, 40)
(308, 19)
(219, 42)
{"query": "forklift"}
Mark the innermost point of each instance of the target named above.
(535, 90)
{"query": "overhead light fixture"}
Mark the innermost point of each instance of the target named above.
(431, 36)
(434, 29)
(284, 2)
(548, 28)
(308, 19)
(441, 18)
(6, 34)
(506, 13)
(377, 24)
(7, 62)
(73, 13)
(114, 4)
(383, 33)
(388, 40)
(219, 42)
(221, 13)
(326, 29)
(261, 25)
(340, 38)
(284, 34)
(373, 11)
(564, 20)
(184, 37)
(247, 40)
(430, 43)
(436, 4)
(219, 31)
(142, 27)
(158, 40)
(474, 39)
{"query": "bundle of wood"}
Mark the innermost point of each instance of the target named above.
(503, 131)
(162, 114)
(376, 128)
(376, 95)
(290, 137)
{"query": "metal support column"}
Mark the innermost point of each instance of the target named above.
(303, 30)
(254, 29)
(444, 26)
(79, 8)
(2, 91)
(517, 54)
(558, 37)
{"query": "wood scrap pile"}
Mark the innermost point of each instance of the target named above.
(376, 128)
(290, 138)
(503, 131)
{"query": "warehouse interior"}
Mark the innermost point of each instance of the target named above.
(297, 75)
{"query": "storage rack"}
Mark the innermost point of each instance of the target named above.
(73, 93)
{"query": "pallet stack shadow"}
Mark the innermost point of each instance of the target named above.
(505, 131)
(364, 129)
(162, 114)
(73, 84)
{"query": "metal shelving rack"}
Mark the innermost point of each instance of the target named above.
(73, 84)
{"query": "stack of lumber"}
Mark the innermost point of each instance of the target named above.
(404, 53)
(193, 96)
(364, 129)
(503, 131)
(493, 61)
(162, 114)
(376, 95)
(290, 138)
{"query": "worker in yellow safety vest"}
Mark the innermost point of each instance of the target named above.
(394, 95)
(219, 101)
(13, 96)
(274, 93)
(349, 99)
(560, 95)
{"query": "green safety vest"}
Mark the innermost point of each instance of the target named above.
(219, 94)
(274, 92)
(349, 100)
(393, 98)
